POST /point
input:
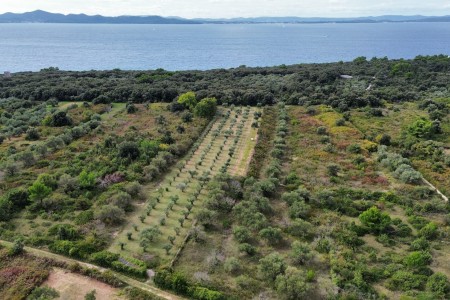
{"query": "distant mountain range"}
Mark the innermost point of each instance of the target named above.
(379, 19)
(40, 16)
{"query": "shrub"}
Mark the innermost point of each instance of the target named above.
(429, 231)
(417, 222)
(247, 248)
(121, 200)
(84, 217)
(418, 259)
(110, 214)
(139, 271)
(329, 148)
(62, 247)
(27, 158)
(299, 209)
(188, 100)
(403, 230)
(202, 293)
(68, 183)
(271, 266)
(354, 148)
(59, 119)
(129, 150)
(32, 134)
(340, 122)
(405, 281)
(138, 294)
(232, 265)
(325, 139)
(18, 197)
(310, 276)
(134, 189)
(300, 252)
(43, 293)
(206, 217)
(17, 247)
(300, 228)
(322, 130)
(206, 108)
(186, 117)
(148, 236)
(333, 169)
(11, 169)
(104, 258)
(167, 247)
(383, 139)
(64, 232)
(375, 220)
(241, 234)
(38, 191)
(271, 235)
(438, 284)
(87, 179)
(131, 108)
(292, 285)
(410, 176)
(6, 209)
(421, 128)
(419, 244)
(90, 295)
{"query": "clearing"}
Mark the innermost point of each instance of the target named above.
(74, 287)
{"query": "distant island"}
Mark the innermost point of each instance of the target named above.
(40, 16)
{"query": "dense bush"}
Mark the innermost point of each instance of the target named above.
(206, 108)
(130, 266)
(138, 294)
(292, 284)
(438, 284)
(271, 266)
(178, 283)
(58, 119)
(44, 292)
(32, 134)
(406, 281)
(375, 220)
(104, 258)
(418, 259)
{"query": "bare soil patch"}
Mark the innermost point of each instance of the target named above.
(74, 286)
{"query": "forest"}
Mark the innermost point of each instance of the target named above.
(322, 181)
(390, 80)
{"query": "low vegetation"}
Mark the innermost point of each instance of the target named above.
(321, 188)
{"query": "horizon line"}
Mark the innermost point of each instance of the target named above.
(230, 18)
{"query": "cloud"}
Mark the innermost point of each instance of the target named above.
(233, 8)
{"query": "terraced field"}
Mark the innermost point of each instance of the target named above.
(225, 146)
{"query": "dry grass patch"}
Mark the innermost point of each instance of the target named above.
(74, 286)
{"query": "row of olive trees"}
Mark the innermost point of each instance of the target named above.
(151, 235)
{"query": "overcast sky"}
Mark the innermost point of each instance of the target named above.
(233, 8)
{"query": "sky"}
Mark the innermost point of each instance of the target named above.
(233, 8)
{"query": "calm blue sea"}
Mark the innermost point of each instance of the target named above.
(30, 47)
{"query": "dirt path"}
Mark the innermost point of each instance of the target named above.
(436, 190)
(126, 279)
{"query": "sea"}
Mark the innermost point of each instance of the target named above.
(32, 47)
